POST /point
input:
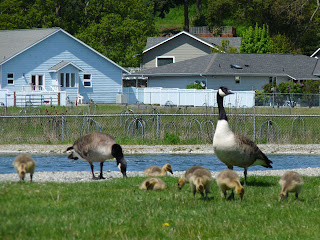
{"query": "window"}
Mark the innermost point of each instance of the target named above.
(161, 61)
(87, 81)
(129, 83)
(67, 80)
(10, 79)
(237, 79)
(36, 81)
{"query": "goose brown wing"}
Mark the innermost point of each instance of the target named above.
(251, 148)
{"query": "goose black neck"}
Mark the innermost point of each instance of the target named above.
(222, 112)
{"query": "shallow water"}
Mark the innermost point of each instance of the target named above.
(55, 163)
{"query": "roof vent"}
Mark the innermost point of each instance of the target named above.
(235, 66)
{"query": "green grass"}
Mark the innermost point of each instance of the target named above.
(117, 209)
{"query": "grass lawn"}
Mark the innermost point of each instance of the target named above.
(118, 209)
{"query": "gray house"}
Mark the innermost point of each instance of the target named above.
(240, 72)
(180, 47)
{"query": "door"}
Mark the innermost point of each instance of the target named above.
(37, 82)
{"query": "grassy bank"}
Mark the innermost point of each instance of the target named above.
(117, 209)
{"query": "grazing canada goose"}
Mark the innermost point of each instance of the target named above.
(290, 182)
(229, 180)
(24, 163)
(186, 176)
(98, 147)
(153, 184)
(233, 149)
(200, 180)
(158, 171)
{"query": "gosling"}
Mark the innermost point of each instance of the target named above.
(156, 171)
(229, 180)
(200, 180)
(153, 184)
(290, 182)
(24, 163)
(186, 176)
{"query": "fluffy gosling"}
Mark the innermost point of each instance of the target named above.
(186, 176)
(290, 182)
(155, 171)
(200, 181)
(24, 163)
(229, 180)
(153, 184)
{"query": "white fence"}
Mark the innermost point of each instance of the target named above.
(187, 97)
(36, 98)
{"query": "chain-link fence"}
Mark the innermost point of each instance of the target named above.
(262, 128)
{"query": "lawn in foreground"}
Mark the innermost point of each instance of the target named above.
(118, 209)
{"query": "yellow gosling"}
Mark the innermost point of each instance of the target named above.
(155, 171)
(186, 176)
(24, 163)
(200, 181)
(290, 182)
(229, 180)
(153, 184)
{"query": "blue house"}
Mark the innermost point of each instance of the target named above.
(42, 66)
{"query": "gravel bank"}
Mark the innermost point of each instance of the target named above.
(85, 176)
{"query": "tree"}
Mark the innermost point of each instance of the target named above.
(256, 40)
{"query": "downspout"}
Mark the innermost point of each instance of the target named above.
(1, 76)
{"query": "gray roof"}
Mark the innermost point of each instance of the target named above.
(12, 42)
(61, 65)
(296, 66)
(234, 41)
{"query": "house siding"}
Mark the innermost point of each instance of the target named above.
(182, 48)
(247, 83)
(106, 77)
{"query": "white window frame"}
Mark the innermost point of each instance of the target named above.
(237, 79)
(159, 57)
(8, 78)
(65, 74)
(87, 80)
(37, 86)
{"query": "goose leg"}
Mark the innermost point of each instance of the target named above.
(93, 176)
(245, 176)
(101, 173)
(231, 197)
(31, 177)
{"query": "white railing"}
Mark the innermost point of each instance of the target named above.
(187, 97)
(31, 88)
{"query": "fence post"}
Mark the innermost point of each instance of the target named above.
(62, 127)
(158, 126)
(254, 127)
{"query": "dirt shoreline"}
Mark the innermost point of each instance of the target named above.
(162, 149)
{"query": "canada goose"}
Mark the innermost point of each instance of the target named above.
(98, 147)
(200, 180)
(24, 163)
(290, 182)
(229, 180)
(158, 171)
(233, 149)
(186, 176)
(153, 184)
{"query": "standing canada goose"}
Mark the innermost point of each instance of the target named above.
(290, 182)
(98, 147)
(229, 180)
(153, 184)
(186, 176)
(24, 163)
(200, 180)
(158, 171)
(233, 149)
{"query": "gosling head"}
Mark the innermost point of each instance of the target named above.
(200, 189)
(150, 185)
(180, 183)
(282, 195)
(224, 91)
(240, 192)
(22, 171)
(168, 168)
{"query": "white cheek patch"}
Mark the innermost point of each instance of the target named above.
(119, 166)
(221, 93)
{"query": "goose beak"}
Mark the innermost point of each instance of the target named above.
(171, 171)
(122, 165)
(230, 92)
